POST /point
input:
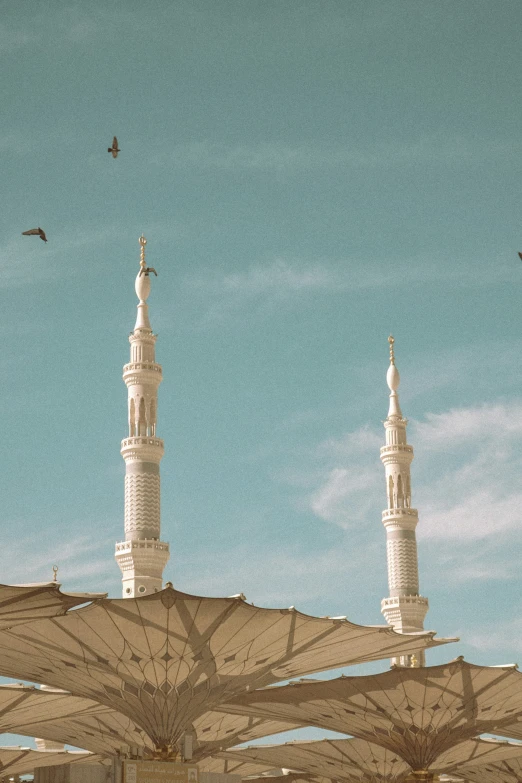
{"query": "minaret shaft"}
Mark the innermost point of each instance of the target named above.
(404, 609)
(142, 556)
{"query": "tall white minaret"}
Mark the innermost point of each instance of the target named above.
(405, 609)
(142, 556)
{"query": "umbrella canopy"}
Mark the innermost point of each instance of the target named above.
(339, 759)
(216, 731)
(165, 659)
(502, 763)
(360, 760)
(416, 713)
(287, 776)
(57, 715)
(508, 771)
(476, 752)
(23, 761)
(23, 603)
(513, 731)
(244, 769)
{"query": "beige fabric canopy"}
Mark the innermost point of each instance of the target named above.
(216, 731)
(23, 761)
(71, 720)
(476, 752)
(416, 713)
(165, 659)
(502, 764)
(338, 759)
(513, 731)
(358, 759)
(74, 720)
(23, 603)
(508, 771)
(287, 776)
(244, 769)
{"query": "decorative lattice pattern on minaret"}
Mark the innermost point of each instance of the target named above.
(142, 506)
(403, 573)
(404, 609)
(142, 556)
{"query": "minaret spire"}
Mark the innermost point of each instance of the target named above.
(142, 556)
(405, 609)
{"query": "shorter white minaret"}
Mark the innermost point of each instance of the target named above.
(142, 556)
(405, 609)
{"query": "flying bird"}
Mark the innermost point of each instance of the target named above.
(114, 149)
(146, 271)
(36, 231)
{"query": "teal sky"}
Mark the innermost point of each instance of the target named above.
(311, 176)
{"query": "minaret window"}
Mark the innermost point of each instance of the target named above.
(152, 419)
(390, 492)
(142, 423)
(400, 494)
(132, 418)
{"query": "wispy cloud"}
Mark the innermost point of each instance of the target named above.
(468, 504)
(283, 280)
(277, 156)
(262, 286)
(11, 39)
(16, 143)
(497, 636)
(279, 578)
(350, 483)
(477, 497)
(282, 276)
(276, 278)
(82, 562)
(496, 423)
(346, 496)
(26, 260)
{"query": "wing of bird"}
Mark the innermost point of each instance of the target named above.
(39, 232)
(114, 149)
(520, 256)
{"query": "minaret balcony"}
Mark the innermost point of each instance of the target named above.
(142, 372)
(151, 544)
(142, 448)
(152, 366)
(398, 512)
(397, 447)
(405, 613)
(400, 453)
(400, 518)
(141, 563)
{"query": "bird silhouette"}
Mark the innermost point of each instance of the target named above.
(36, 231)
(520, 256)
(114, 149)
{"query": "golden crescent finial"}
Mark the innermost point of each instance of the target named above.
(55, 573)
(391, 340)
(142, 242)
